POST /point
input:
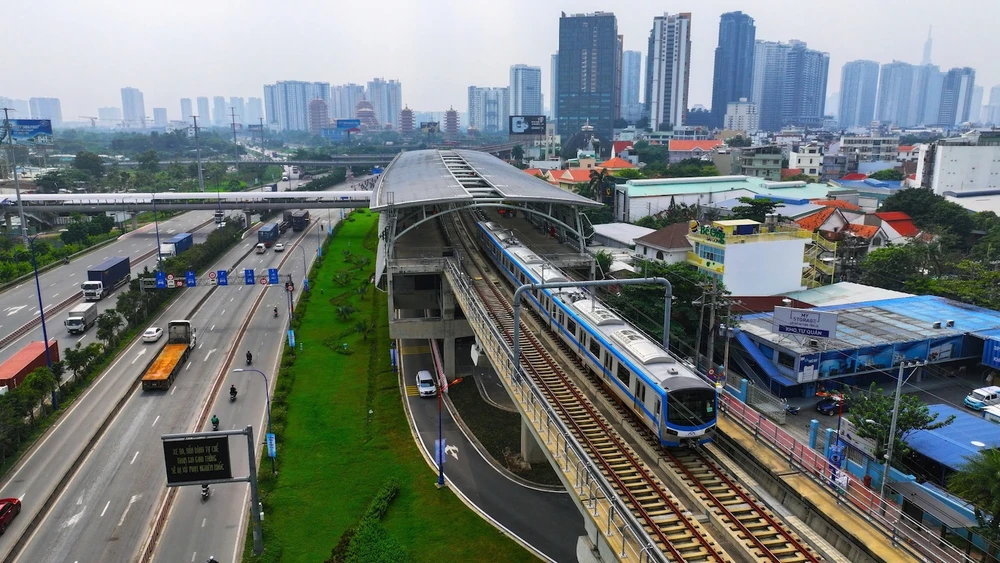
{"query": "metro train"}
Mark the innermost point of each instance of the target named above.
(664, 392)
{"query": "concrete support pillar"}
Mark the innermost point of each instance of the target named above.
(531, 451)
(390, 300)
(10, 226)
(135, 221)
(449, 353)
(593, 548)
(813, 431)
(447, 302)
(247, 218)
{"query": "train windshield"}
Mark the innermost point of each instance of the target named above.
(691, 407)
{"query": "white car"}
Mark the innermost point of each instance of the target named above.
(425, 384)
(278, 247)
(152, 334)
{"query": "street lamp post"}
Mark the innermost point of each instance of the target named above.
(305, 271)
(41, 311)
(267, 396)
(891, 440)
(156, 224)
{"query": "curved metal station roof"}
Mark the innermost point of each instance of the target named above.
(428, 177)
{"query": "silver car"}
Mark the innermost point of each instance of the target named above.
(425, 384)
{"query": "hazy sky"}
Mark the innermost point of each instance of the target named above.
(84, 52)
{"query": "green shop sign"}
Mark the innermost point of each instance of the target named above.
(714, 233)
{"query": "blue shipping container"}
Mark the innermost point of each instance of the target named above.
(991, 352)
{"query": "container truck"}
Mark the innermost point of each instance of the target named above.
(299, 220)
(81, 318)
(175, 245)
(181, 339)
(105, 277)
(268, 234)
(25, 361)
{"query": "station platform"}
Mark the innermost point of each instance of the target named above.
(564, 255)
(811, 492)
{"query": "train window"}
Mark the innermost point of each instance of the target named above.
(691, 407)
(595, 349)
(656, 408)
(607, 361)
(640, 391)
(787, 361)
(623, 374)
(571, 326)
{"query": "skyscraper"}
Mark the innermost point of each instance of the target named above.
(22, 109)
(554, 87)
(588, 72)
(489, 109)
(858, 87)
(255, 111)
(387, 99)
(670, 59)
(239, 107)
(789, 84)
(898, 95)
(926, 60)
(110, 116)
(133, 108)
(525, 90)
(631, 78)
(219, 111)
(287, 102)
(976, 107)
(271, 104)
(929, 82)
(733, 75)
(204, 119)
(159, 117)
(46, 108)
(345, 100)
(956, 96)
(186, 109)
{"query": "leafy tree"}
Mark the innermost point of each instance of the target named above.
(604, 260)
(977, 483)
(41, 382)
(893, 266)
(756, 209)
(621, 123)
(629, 174)
(652, 154)
(888, 175)
(149, 161)
(601, 185)
(517, 153)
(107, 326)
(344, 312)
(76, 232)
(932, 212)
(739, 141)
(90, 163)
(365, 329)
(876, 405)
(75, 359)
(62, 179)
(800, 178)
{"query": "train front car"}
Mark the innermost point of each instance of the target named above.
(690, 418)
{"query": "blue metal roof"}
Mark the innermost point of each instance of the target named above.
(951, 444)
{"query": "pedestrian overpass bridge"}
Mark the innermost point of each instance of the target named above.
(185, 201)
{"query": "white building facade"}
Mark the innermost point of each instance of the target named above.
(670, 68)
(525, 90)
(742, 116)
(489, 109)
(133, 108)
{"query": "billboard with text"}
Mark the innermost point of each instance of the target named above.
(27, 132)
(527, 125)
(805, 322)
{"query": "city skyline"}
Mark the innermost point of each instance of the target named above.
(154, 63)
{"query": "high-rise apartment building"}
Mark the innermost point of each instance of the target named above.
(929, 82)
(733, 75)
(742, 116)
(255, 111)
(898, 98)
(387, 99)
(525, 90)
(109, 116)
(554, 87)
(220, 113)
(345, 100)
(588, 72)
(319, 116)
(789, 84)
(976, 108)
(239, 108)
(22, 109)
(489, 109)
(858, 88)
(204, 118)
(670, 60)
(160, 117)
(187, 109)
(287, 103)
(631, 84)
(46, 108)
(133, 108)
(956, 96)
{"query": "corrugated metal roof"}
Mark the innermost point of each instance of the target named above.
(723, 184)
(951, 444)
(622, 232)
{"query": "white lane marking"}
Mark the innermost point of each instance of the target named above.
(139, 355)
(210, 353)
(231, 299)
(172, 390)
(203, 520)
(187, 367)
(56, 295)
(155, 421)
(74, 518)
(193, 555)
(105, 508)
(21, 498)
(200, 345)
(133, 457)
(131, 501)
(12, 310)
(79, 501)
(213, 327)
(90, 266)
(73, 274)
(51, 284)
(223, 312)
(81, 338)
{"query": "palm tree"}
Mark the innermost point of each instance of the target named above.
(344, 312)
(978, 482)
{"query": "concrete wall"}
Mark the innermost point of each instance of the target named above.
(966, 169)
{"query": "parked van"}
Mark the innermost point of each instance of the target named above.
(983, 397)
(261, 249)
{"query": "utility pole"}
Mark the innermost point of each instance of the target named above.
(711, 323)
(697, 334)
(262, 136)
(197, 148)
(892, 427)
(13, 165)
(236, 147)
(720, 380)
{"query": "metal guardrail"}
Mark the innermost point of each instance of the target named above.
(889, 519)
(610, 515)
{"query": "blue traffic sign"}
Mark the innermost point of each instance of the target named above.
(190, 280)
(291, 338)
(223, 277)
(272, 276)
(161, 280)
(248, 277)
(272, 448)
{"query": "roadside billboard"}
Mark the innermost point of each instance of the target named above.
(527, 125)
(429, 127)
(804, 322)
(27, 132)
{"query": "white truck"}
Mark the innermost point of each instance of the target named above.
(81, 318)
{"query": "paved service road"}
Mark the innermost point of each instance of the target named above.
(105, 510)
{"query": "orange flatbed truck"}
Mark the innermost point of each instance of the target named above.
(181, 339)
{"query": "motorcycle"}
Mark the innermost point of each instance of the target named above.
(232, 396)
(249, 359)
(791, 410)
(66, 261)
(205, 492)
(275, 312)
